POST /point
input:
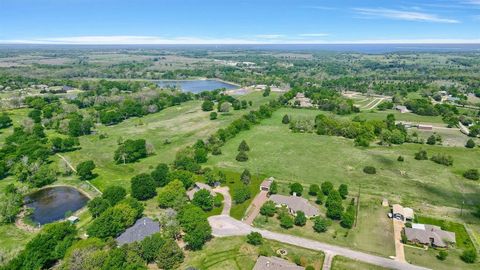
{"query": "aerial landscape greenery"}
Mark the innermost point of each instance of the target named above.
(348, 135)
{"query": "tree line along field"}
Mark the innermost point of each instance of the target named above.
(310, 158)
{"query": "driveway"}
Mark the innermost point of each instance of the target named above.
(255, 206)
(227, 199)
(397, 234)
(223, 226)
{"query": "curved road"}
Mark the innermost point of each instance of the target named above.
(225, 225)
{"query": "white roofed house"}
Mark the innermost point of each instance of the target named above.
(294, 204)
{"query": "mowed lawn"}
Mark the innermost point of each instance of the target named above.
(311, 158)
(343, 263)
(234, 253)
(181, 125)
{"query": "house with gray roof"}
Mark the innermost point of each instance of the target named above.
(294, 204)
(197, 186)
(430, 235)
(275, 263)
(142, 228)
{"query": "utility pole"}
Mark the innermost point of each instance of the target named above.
(461, 209)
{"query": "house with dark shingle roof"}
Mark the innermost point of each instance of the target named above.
(429, 235)
(142, 228)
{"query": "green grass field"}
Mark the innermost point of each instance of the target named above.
(343, 263)
(12, 241)
(182, 125)
(428, 259)
(310, 158)
(235, 254)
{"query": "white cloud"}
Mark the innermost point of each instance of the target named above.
(403, 15)
(314, 35)
(270, 36)
(473, 2)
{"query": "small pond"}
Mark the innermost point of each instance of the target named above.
(51, 204)
(196, 86)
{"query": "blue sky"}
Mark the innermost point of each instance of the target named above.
(238, 21)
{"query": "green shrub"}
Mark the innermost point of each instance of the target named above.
(421, 155)
(400, 158)
(369, 170)
(471, 174)
(469, 255)
(442, 159)
(242, 156)
(254, 238)
(442, 255)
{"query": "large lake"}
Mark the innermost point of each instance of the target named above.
(196, 86)
(51, 204)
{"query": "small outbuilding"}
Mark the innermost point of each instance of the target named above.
(401, 213)
(73, 219)
(265, 185)
(425, 127)
(402, 109)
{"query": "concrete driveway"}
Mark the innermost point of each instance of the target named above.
(224, 225)
(397, 234)
(227, 199)
(255, 206)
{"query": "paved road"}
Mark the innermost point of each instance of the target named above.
(227, 199)
(255, 206)
(226, 226)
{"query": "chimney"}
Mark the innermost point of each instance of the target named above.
(144, 222)
(268, 264)
(294, 194)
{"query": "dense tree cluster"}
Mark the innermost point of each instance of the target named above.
(130, 151)
(46, 248)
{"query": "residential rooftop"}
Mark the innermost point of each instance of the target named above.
(142, 228)
(274, 263)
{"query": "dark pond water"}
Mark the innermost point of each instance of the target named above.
(196, 86)
(51, 204)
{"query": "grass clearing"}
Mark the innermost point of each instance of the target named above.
(12, 241)
(343, 263)
(428, 259)
(234, 253)
(182, 125)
